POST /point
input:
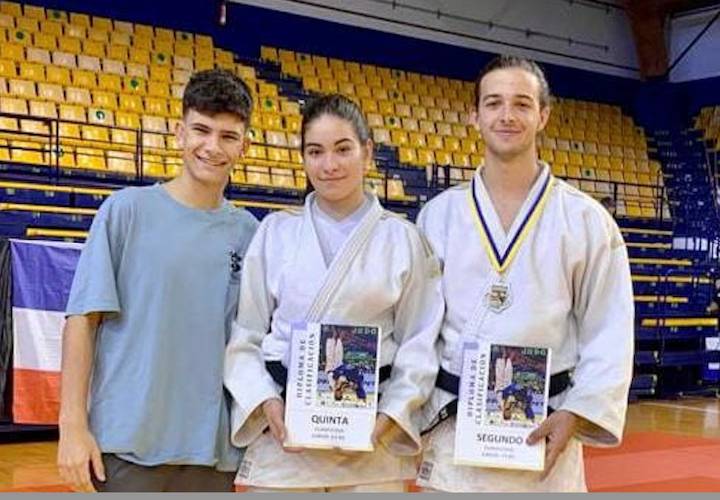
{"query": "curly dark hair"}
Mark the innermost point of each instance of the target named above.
(218, 90)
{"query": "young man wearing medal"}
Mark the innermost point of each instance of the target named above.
(528, 260)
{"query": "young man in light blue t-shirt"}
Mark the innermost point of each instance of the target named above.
(142, 401)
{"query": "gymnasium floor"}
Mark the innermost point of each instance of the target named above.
(669, 446)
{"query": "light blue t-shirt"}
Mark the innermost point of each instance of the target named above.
(170, 276)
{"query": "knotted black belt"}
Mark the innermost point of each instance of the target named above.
(280, 374)
(451, 383)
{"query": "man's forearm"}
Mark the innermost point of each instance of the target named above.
(78, 351)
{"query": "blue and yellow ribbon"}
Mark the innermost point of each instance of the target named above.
(502, 262)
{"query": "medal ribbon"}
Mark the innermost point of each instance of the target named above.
(501, 263)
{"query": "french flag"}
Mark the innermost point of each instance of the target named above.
(42, 274)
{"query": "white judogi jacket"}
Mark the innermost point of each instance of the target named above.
(571, 291)
(384, 274)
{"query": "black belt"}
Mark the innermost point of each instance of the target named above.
(280, 374)
(451, 383)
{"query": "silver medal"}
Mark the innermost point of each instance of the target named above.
(498, 297)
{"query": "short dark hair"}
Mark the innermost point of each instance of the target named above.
(507, 62)
(336, 105)
(218, 90)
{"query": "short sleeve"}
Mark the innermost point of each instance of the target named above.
(94, 286)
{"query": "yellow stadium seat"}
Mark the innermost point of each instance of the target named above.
(8, 124)
(451, 144)
(381, 135)
(80, 19)
(34, 12)
(84, 78)
(176, 108)
(105, 99)
(153, 166)
(121, 161)
(56, 74)
(575, 158)
(617, 176)
(123, 137)
(184, 63)
(153, 141)
(589, 160)
(399, 137)
(395, 189)
(78, 95)
(602, 174)
(100, 136)
(181, 76)
(51, 27)
(278, 154)
(32, 71)
(72, 112)
(425, 156)
(561, 157)
(44, 41)
(237, 176)
(112, 67)
(22, 88)
(459, 131)
(269, 105)
(386, 107)
(417, 140)
(154, 124)
(410, 124)
(13, 105)
(102, 23)
(117, 52)
(419, 112)
(272, 121)
(156, 106)
(392, 122)
(135, 85)
(90, 158)
(69, 44)
(35, 55)
(100, 116)
(269, 54)
(369, 105)
(443, 129)
(427, 127)
(35, 126)
(443, 158)
(276, 138)
(559, 170)
(127, 120)
(43, 109)
(20, 36)
(123, 26)
(292, 123)
(89, 63)
(133, 69)
(51, 92)
(257, 175)
(64, 59)
(27, 152)
(435, 142)
(139, 56)
(110, 83)
(160, 73)
(12, 52)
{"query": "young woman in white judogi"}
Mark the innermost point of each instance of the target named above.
(529, 260)
(339, 259)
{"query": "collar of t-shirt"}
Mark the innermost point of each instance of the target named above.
(333, 233)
